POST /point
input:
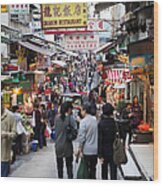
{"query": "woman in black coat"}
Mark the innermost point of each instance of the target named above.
(106, 136)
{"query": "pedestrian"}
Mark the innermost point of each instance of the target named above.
(44, 123)
(52, 112)
(20, 130)
(64, 147)
(92, 101)
(136, 116)
(106, 136)
(38, 130)
(88, 139)
(8, 133)
(125, 126)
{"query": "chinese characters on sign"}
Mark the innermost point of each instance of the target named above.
(81, 42)
(119, 75)
(64, 15)
(19, 9)
(96, 25)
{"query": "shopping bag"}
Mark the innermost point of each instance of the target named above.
(53, 135)
(82, 172)
(119, 153)
(46, 133)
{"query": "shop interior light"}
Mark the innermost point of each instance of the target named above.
(17, 90)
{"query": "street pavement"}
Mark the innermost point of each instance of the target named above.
(42, 164)
(144, 155)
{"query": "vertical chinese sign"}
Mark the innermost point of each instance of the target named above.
(63, 15)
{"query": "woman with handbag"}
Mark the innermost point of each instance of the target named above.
(106, 137)
(63, 144)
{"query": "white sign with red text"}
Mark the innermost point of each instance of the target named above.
(119, 75)
(96, 25)
(81, 42)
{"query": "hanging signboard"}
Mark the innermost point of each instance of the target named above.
(65, 15)
(96, 25)
(4, 8)
(140, 61)
(119, 75)
(19, 9)
(81, 42)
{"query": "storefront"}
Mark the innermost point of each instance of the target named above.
(142, 68)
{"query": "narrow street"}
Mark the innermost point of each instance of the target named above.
(42, 164)
(78, 74)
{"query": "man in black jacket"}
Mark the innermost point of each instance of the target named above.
(106, 136)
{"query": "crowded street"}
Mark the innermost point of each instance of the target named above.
(77, 91)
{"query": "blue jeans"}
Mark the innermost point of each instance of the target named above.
(5, 166)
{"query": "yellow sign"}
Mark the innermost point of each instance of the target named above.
(20, 54)
(138, 60)
(4, 8)
(65, 15)
(123, 59)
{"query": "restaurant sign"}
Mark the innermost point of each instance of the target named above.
(80, 42)
(65, 15)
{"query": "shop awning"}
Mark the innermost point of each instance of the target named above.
(67, 52)
(37, 49)
(5, 77)
(104, 47)
(59, 63)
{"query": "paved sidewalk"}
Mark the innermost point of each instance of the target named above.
(42, 164)
(144, 154)
(39, 164)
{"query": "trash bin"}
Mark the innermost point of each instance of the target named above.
(34, 145)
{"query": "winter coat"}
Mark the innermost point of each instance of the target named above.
(64, 148)
(8, 133)
(88, 135)
(106, 136)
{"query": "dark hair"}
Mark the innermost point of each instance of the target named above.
(43, 106)
(107, 109)
(87, 107)
(15, 108)
(128, 104)
(36, 105)
(134, 98)
(64, 109)
(69, 104)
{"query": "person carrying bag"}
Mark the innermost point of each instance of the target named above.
(119, 153)
(82, 172)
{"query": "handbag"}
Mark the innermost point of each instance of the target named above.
(82, 172)
(46, 133)
(119, 153)
(71, 132)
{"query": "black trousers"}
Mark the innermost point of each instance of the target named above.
(113, 169)
(69, 167)
(91, 161)
(19, 145)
